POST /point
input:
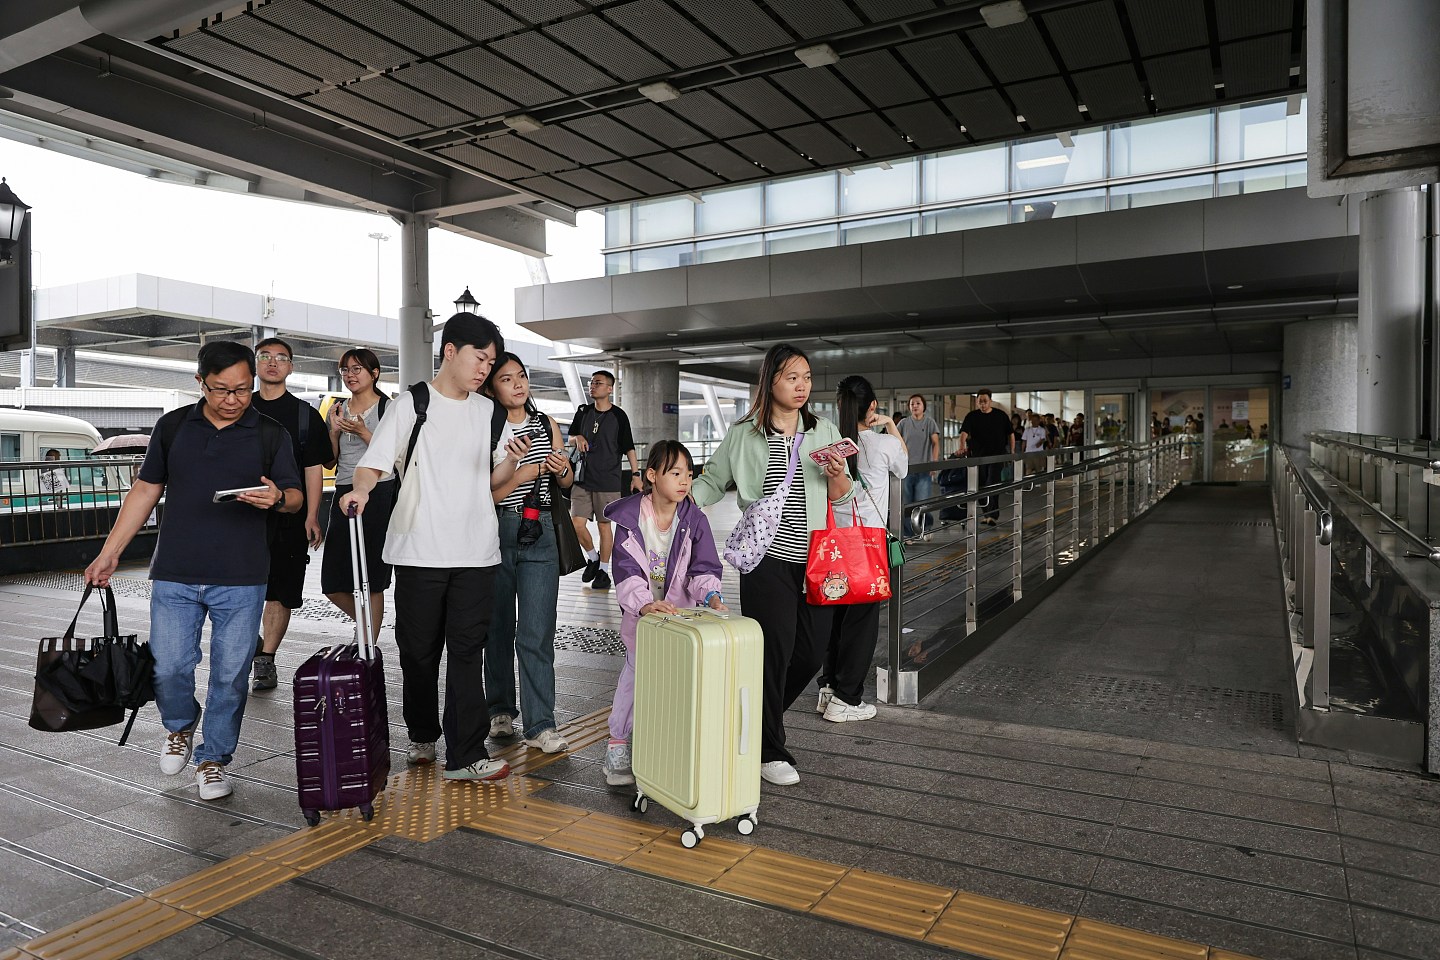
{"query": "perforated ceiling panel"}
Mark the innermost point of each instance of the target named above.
(444, 77)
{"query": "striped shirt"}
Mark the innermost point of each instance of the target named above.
(539, 450)
(792, 540)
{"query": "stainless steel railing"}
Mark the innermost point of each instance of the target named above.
(1306, 528)
(57, 500)
(1398, 480)
(959, 576)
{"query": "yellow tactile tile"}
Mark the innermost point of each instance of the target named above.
(529, 820)
(113, 933)
(308, 849)
(780, 878)
(1000, 930)
(885, 903)
(667, 857)
(1229, 955)
(15, 953)
(1093, 940)
(602, 837)
(218, 888)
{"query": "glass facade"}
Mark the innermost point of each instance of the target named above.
(1224, 151)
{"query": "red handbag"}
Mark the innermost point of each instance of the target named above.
(847, 564)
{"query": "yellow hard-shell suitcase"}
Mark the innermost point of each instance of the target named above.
(698, 693)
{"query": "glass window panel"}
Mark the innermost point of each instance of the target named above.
(966, 173)
(742, 208)
(1259, 130)
(875, 188)
(965, 218)
(1164, 143)
(616, 263)
(1181, 411)
(10, 446)
(802, 238)
(1046, 162)
(617, 225)
(664, 219)
(1176, 190)
(1239, 417)
(661, 258)
(730, 248)
(881, 228)
(803, 198)
(1275, 176)
(1057, 205)
(1110, 416)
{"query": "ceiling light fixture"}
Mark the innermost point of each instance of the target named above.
(791, 323)
(1236, 286)
(659, 92)
(1037, 162)
(820, 55)
(912, 313)
(523, 123)
(1072, 300)
(672, 333)
(1004, 14)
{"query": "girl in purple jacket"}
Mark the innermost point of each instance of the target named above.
(664, 559)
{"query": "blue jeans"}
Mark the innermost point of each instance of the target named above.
(531, 575)
(177, 617)
(915, 486)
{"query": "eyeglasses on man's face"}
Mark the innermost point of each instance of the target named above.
(279, 358)
(223, 393)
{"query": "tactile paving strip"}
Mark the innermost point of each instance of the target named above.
(1003, 931)
(886, 903)
(112, 934)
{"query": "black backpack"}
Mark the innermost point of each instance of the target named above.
(420, 392)
(272, 435)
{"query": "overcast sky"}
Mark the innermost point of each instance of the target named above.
(93, 221)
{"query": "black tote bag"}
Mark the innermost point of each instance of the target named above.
(83, 683)
(567, 542)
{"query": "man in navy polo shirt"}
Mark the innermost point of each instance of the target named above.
(211, 558)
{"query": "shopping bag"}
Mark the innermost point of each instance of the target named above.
(84, 683)
(847, 564)
(567, 541)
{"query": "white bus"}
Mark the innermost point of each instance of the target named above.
(29, 481)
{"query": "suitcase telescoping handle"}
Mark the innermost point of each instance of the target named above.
(360, 577)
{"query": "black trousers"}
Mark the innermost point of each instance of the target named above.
(990, 475)
(853, 632)
(796, 636)
(439, 610)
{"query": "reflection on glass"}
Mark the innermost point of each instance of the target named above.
(1150, 193)
(738, 208)
(1275, 176)
(1046, 162)
(664, 219)
(978, 172)
(802, 238)
(1057, 205)
(616, 263)
(965, 218)
(617, 225)
(1164, 143)
(661, 258)
(803, 198)
(731, 248)
(1239, 442)
(1255, 131)
(1110, 417)
(881, 228)
(1183, 412)
(876, 188)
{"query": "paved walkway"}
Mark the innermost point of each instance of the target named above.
(1265, 848)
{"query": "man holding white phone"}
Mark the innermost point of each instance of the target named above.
(212, 557)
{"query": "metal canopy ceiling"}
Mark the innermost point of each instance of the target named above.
(439, 79)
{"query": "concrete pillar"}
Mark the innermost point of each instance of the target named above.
(417, 340)
(1318, 388)
(65, 367)
(1392, 310)
(648, 389)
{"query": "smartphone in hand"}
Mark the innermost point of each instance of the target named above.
(840, 449)
(225, 496)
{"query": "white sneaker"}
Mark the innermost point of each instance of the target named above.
(617, 765)
(486, 769)
(839, 711)
(826, 694)
(502, 727)
(419, 753)
(210, 778)
(549, 740)
(779, 773)
(178, 747)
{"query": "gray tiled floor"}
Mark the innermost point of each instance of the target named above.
(1220, 831)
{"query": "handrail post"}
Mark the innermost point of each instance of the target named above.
(972, 552)
(1049, 518)
(1318, 613)
(895, 622)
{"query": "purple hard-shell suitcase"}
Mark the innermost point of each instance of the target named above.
(342, 728)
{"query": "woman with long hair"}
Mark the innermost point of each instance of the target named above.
(755, 456)
(352, 421)
(529, 571)
(855, 627)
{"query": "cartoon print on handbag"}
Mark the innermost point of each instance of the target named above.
(847, 564)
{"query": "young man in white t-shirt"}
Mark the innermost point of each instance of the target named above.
(444, 543)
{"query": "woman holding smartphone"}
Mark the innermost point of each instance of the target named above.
(352, 421)
(879, 456)
(529, 573)
(755, 456)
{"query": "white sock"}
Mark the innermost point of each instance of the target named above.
(592, 555)
(605, 565)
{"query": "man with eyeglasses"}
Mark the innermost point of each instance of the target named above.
(310, 442)
(212, 556)
(600, 431)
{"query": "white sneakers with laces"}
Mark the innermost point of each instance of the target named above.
(486, 769)
(175, 754)
(419, 753)
(549, 740)
(502, 727)
(617, 764)
(211, 779)
(838, 711)
(779, 773)
(826, 695)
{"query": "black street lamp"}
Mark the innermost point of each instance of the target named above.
(12, 220)
(466, 303)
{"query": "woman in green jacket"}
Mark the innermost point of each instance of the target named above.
(754, 458)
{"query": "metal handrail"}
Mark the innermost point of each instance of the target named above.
(1325, 522)
(931, 504)
(1429, 550)
(1392, 455)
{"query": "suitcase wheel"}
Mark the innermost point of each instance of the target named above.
(367, 812)
(746, 825)
(693, 836)
(640, 804)
(312, 817)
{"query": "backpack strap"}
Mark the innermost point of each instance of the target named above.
(302, 427)
(420, 395)
(271, 436)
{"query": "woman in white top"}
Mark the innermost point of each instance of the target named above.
(856, 627)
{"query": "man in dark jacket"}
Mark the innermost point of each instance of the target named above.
(986, 432)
